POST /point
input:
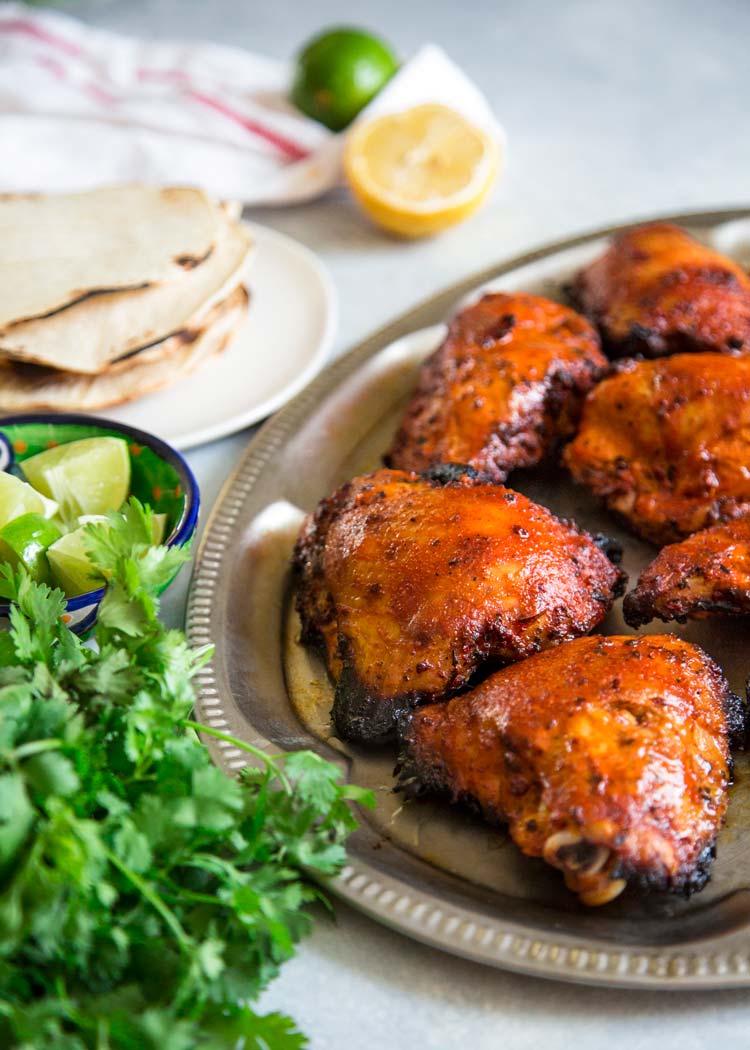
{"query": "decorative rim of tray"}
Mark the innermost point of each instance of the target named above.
(721, 962)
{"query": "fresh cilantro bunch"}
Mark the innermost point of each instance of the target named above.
(146, 898)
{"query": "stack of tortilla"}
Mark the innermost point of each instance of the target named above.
(109, 295)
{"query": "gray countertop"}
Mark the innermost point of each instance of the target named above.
(613, 111)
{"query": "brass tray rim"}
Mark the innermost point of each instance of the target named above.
(394, 901)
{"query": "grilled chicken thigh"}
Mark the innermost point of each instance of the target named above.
(708, 573)
(608, 757)
(666, 444)
(658, 291)
(507, 383)
(409, 584)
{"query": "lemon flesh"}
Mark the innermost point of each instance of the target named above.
(25, 540)
(17, 498)
(338, 73)
(90, 476)
(68, 559)
(417, 172)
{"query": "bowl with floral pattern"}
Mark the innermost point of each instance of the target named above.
(160, 477)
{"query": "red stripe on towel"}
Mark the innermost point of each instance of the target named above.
(20, 25)
(54, 65)
(285, 145)
(170, 75)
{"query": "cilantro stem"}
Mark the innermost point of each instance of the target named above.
(270, 761)
(102, 1034)
(180, 894)
(34, 747)
(184, 919)
(153, 899)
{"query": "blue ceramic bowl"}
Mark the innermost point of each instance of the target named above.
(160, 477)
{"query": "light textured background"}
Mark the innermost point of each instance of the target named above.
(614, 110)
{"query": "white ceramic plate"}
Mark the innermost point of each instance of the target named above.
(282, 345)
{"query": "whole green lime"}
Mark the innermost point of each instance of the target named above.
(337, 74)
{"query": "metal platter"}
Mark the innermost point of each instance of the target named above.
(433, 873)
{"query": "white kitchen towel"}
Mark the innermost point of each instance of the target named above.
(80, 107)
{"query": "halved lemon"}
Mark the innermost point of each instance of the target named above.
(418, 172)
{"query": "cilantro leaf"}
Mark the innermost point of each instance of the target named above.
(146, 897)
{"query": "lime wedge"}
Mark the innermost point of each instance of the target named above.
(70, 564)
(17, 498)
(90, 476)
(158, 524)
(158, 528)
(24, 541)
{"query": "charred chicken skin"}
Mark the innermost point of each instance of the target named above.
(507, 383)
(409, 584)
(608, 757)
(706, 574)
(666, 444)
(659, 291)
